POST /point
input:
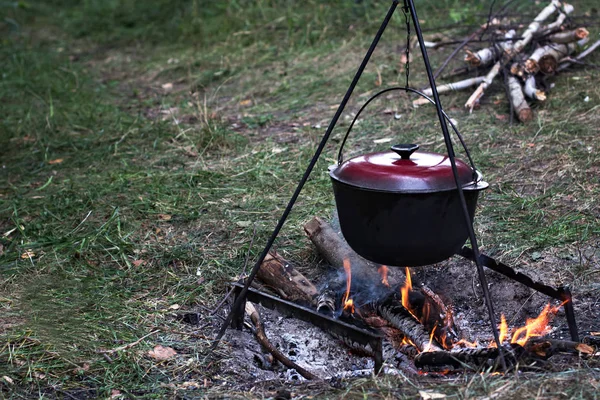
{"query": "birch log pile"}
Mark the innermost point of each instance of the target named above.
(549, 44)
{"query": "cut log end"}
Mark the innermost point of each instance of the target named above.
(525, 115)
(548, 65)
(532, 66)
(472, 59)
(581, 33)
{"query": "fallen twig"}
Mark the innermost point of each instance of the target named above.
(126, 346)
(264, 341)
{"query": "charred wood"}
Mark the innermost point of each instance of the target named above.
(326, 301)
(399, 317)
(546, 347)
(469, 358)
(283, 278)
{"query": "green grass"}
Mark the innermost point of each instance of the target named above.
(145, 144)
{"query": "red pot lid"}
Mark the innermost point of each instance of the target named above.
(403, 169)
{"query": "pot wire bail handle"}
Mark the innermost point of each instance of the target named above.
(415, 91)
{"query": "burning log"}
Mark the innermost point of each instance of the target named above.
(335, 249)
(423, 303)
(399, 317)
(264, 341)
(286, 280)
(545, 347)
(470, 358)
(517, 100)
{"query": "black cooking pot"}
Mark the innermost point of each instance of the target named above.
(401, 207)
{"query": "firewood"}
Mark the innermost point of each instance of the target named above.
(510, 53)
(488, 55)
(531, 90)
(545, 59)
(286, 280)
(566, 62)
(470, 358)
(569, 36)
(518, 69)
(517, 99)
(449, 87)
(335, 250)
(562, 16)
(535, 25)
(261, 336)
(326, 301)
(393, 311)
(546, 347)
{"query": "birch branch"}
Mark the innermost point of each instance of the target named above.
(511, 52)
(486, 56)
(535, 25)
(569, 36)
(517, 99)
(531, 90)
(449, 87)
(562, 16)
(545, 59)
(565, 63)
(518, 69)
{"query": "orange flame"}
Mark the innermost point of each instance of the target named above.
(404, 290)
(503, 328)
(428, 347)
(535, 326)
(383, 271)
(466, 343)
(348, 302)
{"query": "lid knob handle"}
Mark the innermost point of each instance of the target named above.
(405, 149)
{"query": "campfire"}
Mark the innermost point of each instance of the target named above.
(413, 323)
(362, 305)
